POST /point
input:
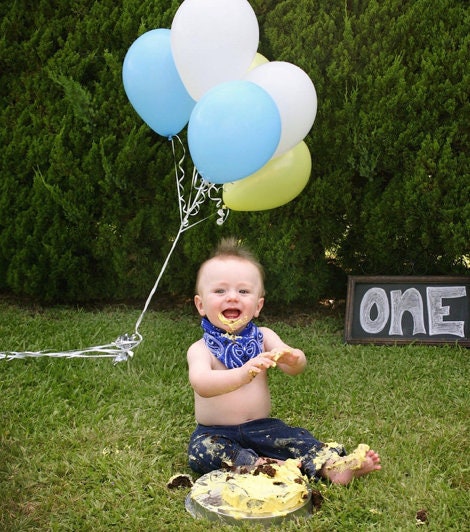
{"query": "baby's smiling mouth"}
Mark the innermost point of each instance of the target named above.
(231, 314)
(233, 319)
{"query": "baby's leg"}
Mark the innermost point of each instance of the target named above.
(344, 469)
(211, 449)
(273, 439)
(265, 460)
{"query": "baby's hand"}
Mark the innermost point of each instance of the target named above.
(260, 363)
(286, 356)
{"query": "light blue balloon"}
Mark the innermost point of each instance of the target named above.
(153, 84)
(233, 131)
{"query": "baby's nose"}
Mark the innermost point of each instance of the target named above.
(232, 295)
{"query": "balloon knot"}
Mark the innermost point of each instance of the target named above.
(126, 343)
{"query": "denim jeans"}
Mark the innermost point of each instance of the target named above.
(214, 447)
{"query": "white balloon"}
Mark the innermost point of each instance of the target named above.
(295, 96)
(213, 41)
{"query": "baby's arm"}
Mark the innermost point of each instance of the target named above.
(209, 382)
(290, 360)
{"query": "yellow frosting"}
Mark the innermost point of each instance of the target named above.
(329, 458)
(352, 461)
(270, 489)
(235, 324)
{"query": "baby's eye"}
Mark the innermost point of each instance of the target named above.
(219, 290)
(244, 291)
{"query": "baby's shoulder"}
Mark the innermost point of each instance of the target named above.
(268, 333)
(196, 346)
(264, 329)
(270, 338)
(198, 349)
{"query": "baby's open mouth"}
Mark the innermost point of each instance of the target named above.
(233, 319)
(231, 314)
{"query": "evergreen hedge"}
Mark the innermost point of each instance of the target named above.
(87, 191)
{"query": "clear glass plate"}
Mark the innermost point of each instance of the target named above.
(210, 505)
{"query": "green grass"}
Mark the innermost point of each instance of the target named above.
(86, 445)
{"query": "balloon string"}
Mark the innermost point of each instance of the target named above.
(186, 209)
(122, 348)
(155, 286)
(179, 181)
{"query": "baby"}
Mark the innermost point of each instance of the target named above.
(228, 371)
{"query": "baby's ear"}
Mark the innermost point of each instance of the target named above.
(199, 305)
(259, 306)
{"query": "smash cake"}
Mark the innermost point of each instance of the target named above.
(264, 491)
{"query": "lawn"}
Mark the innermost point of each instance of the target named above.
(88, 445)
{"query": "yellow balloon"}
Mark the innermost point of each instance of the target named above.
(279, 181)
(258, 61)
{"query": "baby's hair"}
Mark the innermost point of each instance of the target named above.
(232, 247)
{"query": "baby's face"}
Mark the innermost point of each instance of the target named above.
(229, 292)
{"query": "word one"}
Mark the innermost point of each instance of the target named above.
(376, 310)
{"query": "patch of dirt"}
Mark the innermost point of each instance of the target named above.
(302, 314)
(291, 314)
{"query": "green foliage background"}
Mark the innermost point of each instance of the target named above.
(87, 193)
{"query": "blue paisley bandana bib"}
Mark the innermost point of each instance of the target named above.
(233, 350)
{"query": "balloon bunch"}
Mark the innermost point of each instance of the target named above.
(246, 116)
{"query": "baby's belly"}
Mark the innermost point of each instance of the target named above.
(242, 405)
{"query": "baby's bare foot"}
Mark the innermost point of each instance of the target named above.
(361, 461)
(371, 463)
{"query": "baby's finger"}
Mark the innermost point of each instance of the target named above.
(278, 353)
(264, 361)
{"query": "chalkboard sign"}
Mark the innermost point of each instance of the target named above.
(398, 310)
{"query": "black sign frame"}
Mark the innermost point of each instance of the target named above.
(377, 286)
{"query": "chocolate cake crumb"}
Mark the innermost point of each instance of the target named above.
(180, 480)
(421, 517)
(265, 469)
(317, 499)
